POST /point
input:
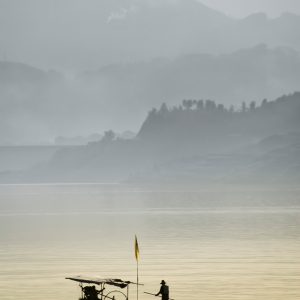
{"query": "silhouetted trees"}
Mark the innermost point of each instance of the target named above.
(231, 109)
(163, 109)
(252, 105)
(200, 105)
(221, 108)
(210, 105)
(198, 117)
(188, 104)
(205, 107)
(109, 136)
(244, 107)
(264, 103)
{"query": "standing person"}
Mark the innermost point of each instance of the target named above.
(164, 291)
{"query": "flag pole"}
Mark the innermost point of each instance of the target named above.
(137, 279)
(137, 254)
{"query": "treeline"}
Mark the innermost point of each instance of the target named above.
(199, 117)
(209, 106)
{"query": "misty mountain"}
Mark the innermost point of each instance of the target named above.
(31, 100)
(37, 105)
(136, 54)
(18, 73)
(248, 74)
(195, 140)
(80, 35)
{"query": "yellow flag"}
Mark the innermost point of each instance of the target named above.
(136, 249)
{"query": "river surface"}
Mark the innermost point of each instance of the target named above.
(206, 243)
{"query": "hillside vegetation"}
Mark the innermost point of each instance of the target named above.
(198, 140)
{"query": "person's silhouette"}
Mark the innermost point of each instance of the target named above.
(164, 291)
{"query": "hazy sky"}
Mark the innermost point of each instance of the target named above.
(47, 33)
(242, 8)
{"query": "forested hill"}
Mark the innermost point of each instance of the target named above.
(198, 141)
(204, 119)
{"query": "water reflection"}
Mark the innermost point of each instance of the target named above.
(206, 244)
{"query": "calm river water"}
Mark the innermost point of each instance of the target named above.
(206, 243)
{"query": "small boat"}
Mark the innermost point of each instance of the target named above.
(106, 288)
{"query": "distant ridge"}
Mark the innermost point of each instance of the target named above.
(198, 140)
(129, 30)
(17, 73)
(49, 105)
(248, 74)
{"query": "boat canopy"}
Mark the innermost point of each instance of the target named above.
(115, 282)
